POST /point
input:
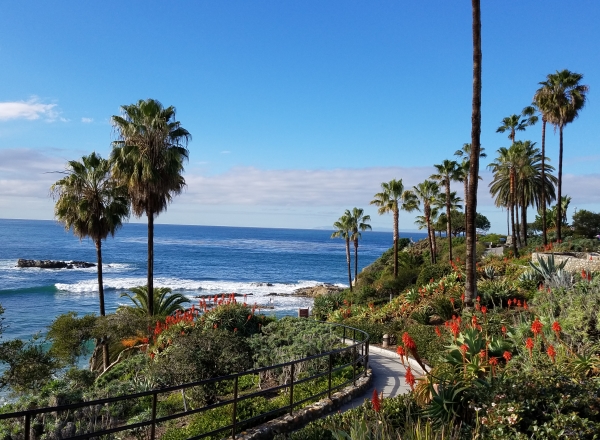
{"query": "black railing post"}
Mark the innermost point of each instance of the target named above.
(27, 426)
(366, 357)
(235, 397)
(354, 335)
(153, 426)
(344, 335)
(330, 367)
(354, 365)
(292, 390)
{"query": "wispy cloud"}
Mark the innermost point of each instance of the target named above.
(225, 152)
(31, 110)
(87, 120)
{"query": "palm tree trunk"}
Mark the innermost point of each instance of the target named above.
(559, 195)
(514, 234)
(523, 218)
(448, 225)
(466, 198)
(471, 204)
(355, 259)
(105, 358)
(396, 234)
(348, 261)
(150, 263)
(517, 224)
(544, 181)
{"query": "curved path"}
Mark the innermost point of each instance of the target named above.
(388, 376)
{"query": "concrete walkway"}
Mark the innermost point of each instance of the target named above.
(388, 376)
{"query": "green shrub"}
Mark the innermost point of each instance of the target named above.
(433, 271)
(429, 345)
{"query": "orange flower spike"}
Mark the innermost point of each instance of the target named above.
(478, 299)
(477, 306)
(529, 345)
(551, 352)
(556, 328)
(438, 332)
(462, 297)
(503, 330)
(493, 361)
(507, 356)
(484, 310)
(482, 354)
(509, 303)
(409, 378)
(464, 348)
(409, 343)
(474, 321)
(525, 306)
(452, 301)
(536, 327)
(375, 401)
(455, 329)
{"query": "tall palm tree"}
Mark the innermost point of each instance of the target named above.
(91, 203)
(343, 229)
(148, 159)
(465, 154)
(542, 101)
(447, 171)
(394, 198)
(471, 202)
(514, 123)
(563, 97)
(427, 193)
(359, 223)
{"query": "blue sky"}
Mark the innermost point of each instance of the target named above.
(298, 109)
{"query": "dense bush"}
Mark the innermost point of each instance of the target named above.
(433, 271)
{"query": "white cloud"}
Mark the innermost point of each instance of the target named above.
(225, 152)
(30, 110)
(87, 120)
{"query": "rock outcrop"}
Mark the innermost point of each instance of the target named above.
(321, 289)
(51, 264)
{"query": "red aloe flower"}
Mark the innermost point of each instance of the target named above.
(452, 301)
(474, 321)
(477, 306)
(493, 361)
(529, 345)
(503, 330)
(536, 327)
(409, 378)
(464, 348)
(551, 352)
(507, 356)
(375, 401)
(525, 306)
(556, 328)
(401, 353)
(438, 332)
(462, 297)
(409, 343)
(455, 329)
(483, 309)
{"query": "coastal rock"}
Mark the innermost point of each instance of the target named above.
(321, 289)
(51, 264)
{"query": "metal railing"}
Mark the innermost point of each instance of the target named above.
(359, 350)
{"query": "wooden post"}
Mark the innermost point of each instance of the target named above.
(330, 366)
(27, 426)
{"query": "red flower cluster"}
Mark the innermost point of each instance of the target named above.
(556, 328)
(187, 316)
(375, 401)
(551, 352)
(410, 378)
(529, 345)
(408, 342)
(536, 327)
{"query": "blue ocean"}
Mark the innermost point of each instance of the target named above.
(192, 260)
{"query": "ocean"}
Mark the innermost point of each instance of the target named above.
(192, 260)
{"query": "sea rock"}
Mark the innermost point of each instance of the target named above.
(51, 264)
(321, 289)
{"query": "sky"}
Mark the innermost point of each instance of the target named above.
(298, 110)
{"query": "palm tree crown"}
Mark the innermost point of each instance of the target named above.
(148, 159)
(447, 171)
(427, 193)
(514, 123)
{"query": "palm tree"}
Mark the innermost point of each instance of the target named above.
(427, 192)
(164, 303)
(465, 154)
(91, 203)
(514, 123)
(447, 171)
(563, 97)
(343, 229)
(148, 159)
(394, 198)
(541, 100)
(471, 198)
(359, 223)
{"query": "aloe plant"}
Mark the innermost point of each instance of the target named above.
(547, 267)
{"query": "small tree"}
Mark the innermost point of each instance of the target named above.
(586, 223)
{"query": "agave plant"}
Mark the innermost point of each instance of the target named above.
(164, 303)
(547, 267)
